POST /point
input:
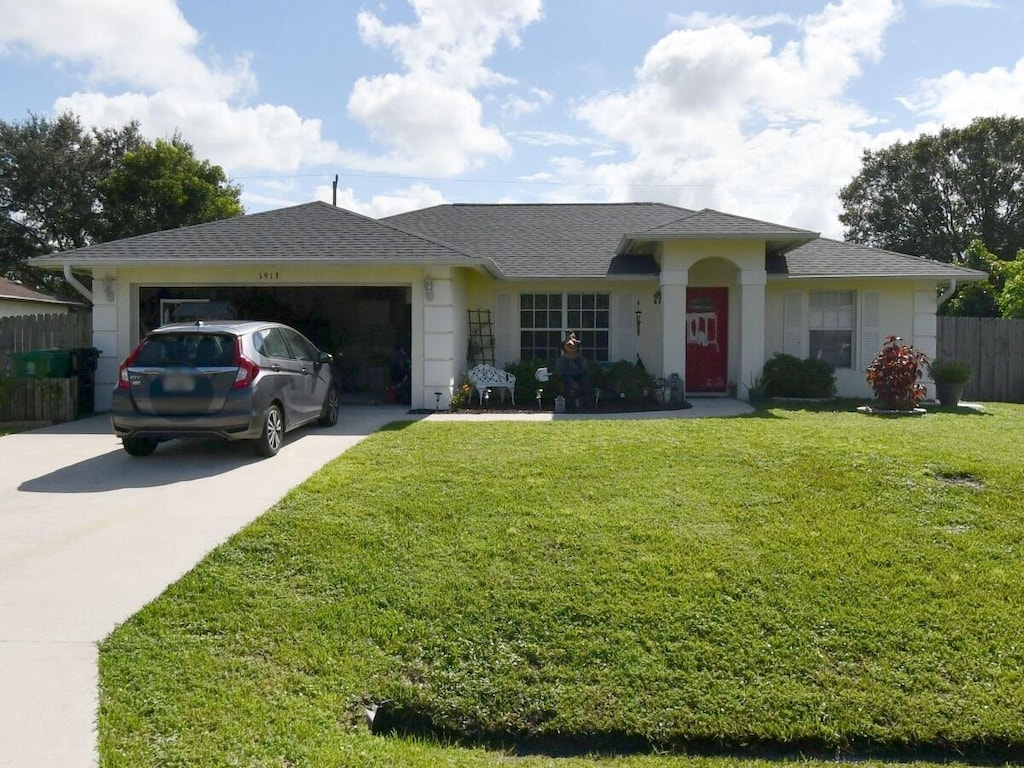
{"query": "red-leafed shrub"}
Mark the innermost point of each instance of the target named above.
(895, 375)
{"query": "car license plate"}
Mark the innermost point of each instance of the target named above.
(179, 383)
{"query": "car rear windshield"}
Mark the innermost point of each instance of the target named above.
(200, 350)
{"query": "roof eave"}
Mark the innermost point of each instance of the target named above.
(878, 276)
(55, 262)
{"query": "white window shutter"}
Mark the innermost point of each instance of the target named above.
(623, 346)
(793, 324)
(870, 327)
(503, 351)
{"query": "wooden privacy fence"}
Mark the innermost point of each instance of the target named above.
(994, 348)
(31, 399)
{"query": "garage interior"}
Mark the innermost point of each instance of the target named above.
(364, 327)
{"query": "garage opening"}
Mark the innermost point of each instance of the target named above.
(364, 327)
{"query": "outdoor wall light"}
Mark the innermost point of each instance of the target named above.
(428, 289)
(108, 288)
(639, 313)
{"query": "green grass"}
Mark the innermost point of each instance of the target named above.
(799, 580)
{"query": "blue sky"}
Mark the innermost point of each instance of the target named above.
(759, 108)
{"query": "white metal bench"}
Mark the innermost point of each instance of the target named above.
(484, 377)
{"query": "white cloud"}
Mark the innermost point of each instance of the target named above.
(265, 137)
(153, 57)
(722, 117)
(957, 98)
(433, 127)
(409, 199)
(118, 44)
(702, 20)
(453, 38)
(550, 139)
(428, 115)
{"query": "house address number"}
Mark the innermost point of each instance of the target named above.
(270, 275)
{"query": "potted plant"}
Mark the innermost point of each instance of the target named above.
(950, 377)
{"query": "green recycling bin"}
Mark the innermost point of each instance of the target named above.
(43, 364)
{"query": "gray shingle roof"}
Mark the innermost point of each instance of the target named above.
(528, 241)
(309, 232)
(540, 240)
(834, 258)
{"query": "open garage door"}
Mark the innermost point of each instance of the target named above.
(366, 328)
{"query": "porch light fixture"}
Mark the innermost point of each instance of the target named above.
(639, 313)
(657, 296)
(428, 289)
(108, 289)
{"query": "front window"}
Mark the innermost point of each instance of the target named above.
(831, 327)
(544, 318)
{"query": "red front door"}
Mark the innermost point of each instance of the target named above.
(707, 356)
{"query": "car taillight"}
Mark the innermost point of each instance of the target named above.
(247, 369)
(122, 371)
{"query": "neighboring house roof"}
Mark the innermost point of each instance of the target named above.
(823, 258)
(312, 232)
(12, 291)
(531, 241)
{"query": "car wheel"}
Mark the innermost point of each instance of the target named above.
(269, 442)
(139, 446)
(332, 404)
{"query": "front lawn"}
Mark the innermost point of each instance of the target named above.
(795, 582)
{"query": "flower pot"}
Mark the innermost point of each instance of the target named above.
(949, 393)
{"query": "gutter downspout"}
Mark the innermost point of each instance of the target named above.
(75, 284)
(947, 293)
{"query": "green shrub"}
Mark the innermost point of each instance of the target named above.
(622, 381)
(949, 371)
(789, 376)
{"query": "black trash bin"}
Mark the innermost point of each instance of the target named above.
(83, 368)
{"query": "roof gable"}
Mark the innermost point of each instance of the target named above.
(708, 224)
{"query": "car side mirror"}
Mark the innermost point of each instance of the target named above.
(325, 358)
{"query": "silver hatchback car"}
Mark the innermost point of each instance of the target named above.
(229, 379)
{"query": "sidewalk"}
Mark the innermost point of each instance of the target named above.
(702, 408)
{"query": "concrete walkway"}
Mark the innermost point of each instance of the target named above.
(89, 535)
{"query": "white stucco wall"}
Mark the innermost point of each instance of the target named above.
(905, 309)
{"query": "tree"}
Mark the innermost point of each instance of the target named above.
(162, 186)
(49, 170)
(935, 195)
(63, 187)
(1002, 295)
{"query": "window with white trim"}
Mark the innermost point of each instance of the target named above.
(544, 318)
(831, 322)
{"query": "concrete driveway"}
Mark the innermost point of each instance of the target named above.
(89, 535)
